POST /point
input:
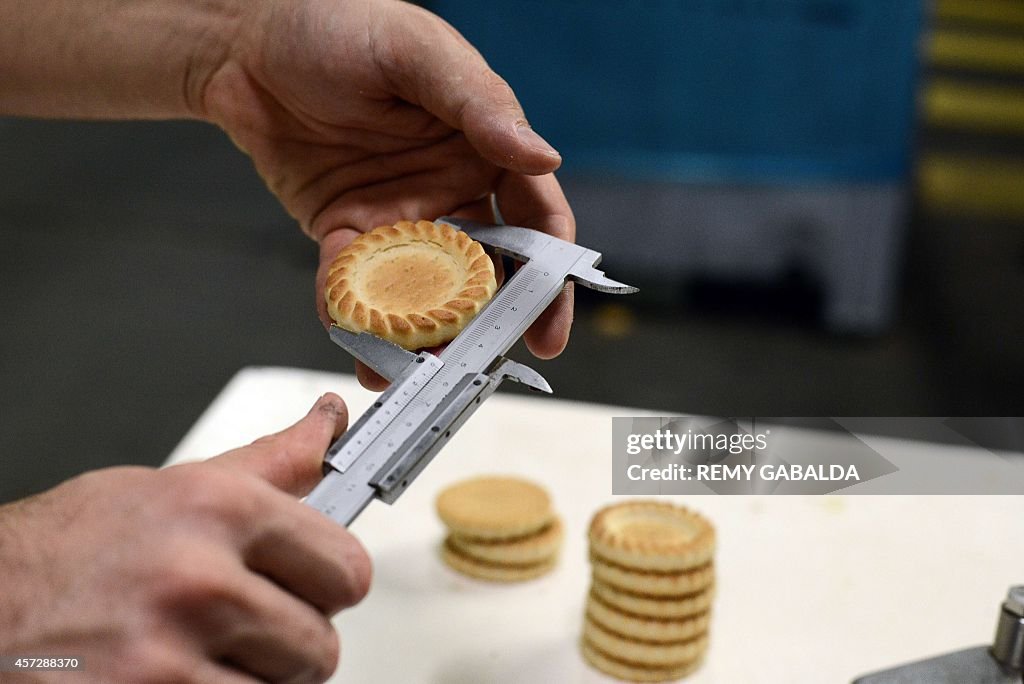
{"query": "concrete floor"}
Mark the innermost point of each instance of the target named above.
(143, 264)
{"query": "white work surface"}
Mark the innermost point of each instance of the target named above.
(810, 589)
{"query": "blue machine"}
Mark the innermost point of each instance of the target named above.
(745, 137)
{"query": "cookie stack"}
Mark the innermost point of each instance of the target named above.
(650, 600)
(501, 529)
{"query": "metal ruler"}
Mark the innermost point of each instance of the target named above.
(430, 396)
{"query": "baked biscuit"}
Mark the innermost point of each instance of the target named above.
(652, 535)
(642, 652)
(415, 284)
(660, 607)
(493, 572)
(653, 583)
(494, 508)
(658, 630)
(634, 672)
(533, 548)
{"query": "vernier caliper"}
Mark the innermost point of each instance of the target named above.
(430, 397)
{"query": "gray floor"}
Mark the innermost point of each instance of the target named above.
(142, 264)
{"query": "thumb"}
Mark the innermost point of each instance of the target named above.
(292, 460)
(451, 80)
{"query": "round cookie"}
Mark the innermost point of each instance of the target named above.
(646, 629)
(653, 583)
(652, 535)
(493, 507)
(633, 672)
(493, 572)
(643, 653)
(415, 284)
(659, 607)
(533, 548)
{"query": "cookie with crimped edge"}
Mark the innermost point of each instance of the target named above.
(644, 652)
(652, 535)
(645, 628)
(533, 548)
(495, 507)
(661, 607)
(653, 583)
(494, 572)
(415, 284)
(635, 672)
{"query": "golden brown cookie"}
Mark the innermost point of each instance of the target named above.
(645, 653)
(415, 284)
(635, 672)
(655, 606)
(652, 535)
(533, 548)
(643, 628)
(493, 572)
(653, 583)
(493, 507)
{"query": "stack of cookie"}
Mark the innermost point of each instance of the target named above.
(649, 606)
(501, 529)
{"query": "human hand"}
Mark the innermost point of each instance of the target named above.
(206, 572)
(366, 112)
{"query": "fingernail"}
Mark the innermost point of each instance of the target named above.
(321, 404)
(532, 139)
(327, 405)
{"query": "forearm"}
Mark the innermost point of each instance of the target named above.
(111, 58)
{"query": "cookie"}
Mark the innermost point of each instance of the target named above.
(415, 284)
(644, 653)
(634, 672)
(534, 548)
(644, 628)
(652, 535)
(653, 583)
(492, 508)
(493, 572)
(662, 607)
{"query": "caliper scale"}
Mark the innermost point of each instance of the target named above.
(430, 397)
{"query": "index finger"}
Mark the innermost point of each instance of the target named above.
(538, 202)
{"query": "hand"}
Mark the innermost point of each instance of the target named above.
(365, 112)
(208, 572)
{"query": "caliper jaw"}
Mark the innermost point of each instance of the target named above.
(386, 359)
(390, 361)
(523, 244)
(524, 375)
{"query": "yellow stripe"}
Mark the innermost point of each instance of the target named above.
(972, 184)
(993, 110)
(1009, 13)
(973, 51)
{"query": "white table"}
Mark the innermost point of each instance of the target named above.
(810, 589)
